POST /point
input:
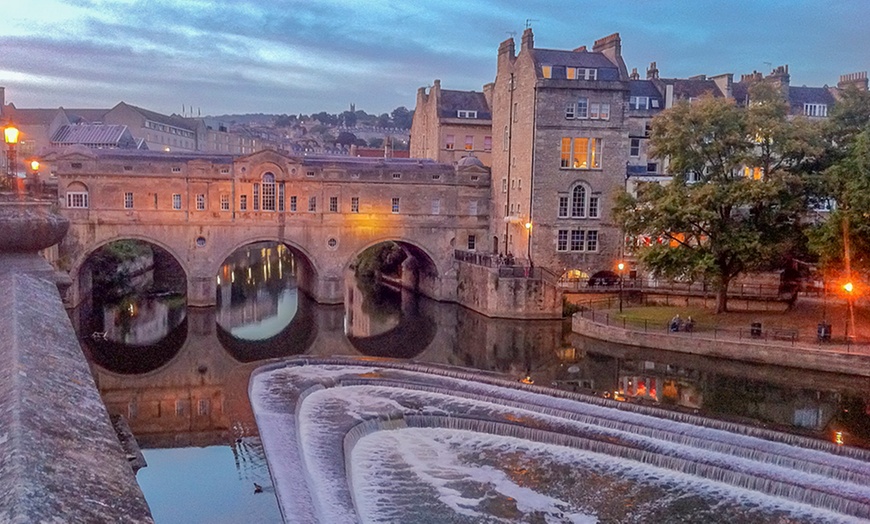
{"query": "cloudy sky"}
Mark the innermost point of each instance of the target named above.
(292, 56)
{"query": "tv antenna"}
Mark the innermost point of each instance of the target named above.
(512, 33)
(529, 22)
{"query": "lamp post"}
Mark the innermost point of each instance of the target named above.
(621, 267)
(849, 288)
(10, 135)
(529, 243)
(34, 184)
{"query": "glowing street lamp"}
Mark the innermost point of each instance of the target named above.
(621, 267)
(10, 135)
(849, 288)
(528, 226)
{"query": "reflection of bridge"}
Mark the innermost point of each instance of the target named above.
(327, 210)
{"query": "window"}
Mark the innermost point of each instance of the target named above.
(77, 199)
(563, 207)
(547, 71)
(225, 170)
(256, 197)
(469, 142)
(354, 204)
(395, 205)
(128, 200)
(225, 202)
(466, 114)
(487, 143)
(176, 201)
(507, 139)
(176, 170)
(472, 241)
(816, 109)
(243, 202)
(203, 406)
(293, 204)
(309, 174)
(638, 102)
(449, 142)
(333, 204)
(647, 128)
(436, 176)
(592, 241)
(268, 192)
(634, 148)
(582, 108)
(605, 112)
(472, 207)
(436, 206)
(652, 167)
(755, 173)
(577, 239)
(562, 240)
(312, 204)
(581, 153)
(397, 176)
(200, 202)
(594, 110)
(570, 111)
(593, 207)
(504, 185)
(281, 196)
(578, 202)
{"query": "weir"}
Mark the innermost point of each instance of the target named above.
(332, 406)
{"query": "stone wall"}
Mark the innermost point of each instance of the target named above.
(480, 288)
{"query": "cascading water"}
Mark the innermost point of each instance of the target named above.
(329, 418)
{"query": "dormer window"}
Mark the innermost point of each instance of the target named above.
(581, 73)
(816, 109)
(547, 71)
(464, 113)
(639, 102)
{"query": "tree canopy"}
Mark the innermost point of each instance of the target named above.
(736, 197)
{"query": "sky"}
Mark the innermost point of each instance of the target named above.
(304, 56)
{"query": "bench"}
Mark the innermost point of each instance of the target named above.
(783, 334)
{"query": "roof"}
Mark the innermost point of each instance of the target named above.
(643, 88)
(453, 101)
(693, 88)
(798, 96)
(93, 134)
(89, 116)
(607, 70)
(175, 121)
(25, 117)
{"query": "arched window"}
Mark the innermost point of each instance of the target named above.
(77, 196)
(268, 192)
(578, 202)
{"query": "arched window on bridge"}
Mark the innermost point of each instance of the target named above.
(77, 196)
(268, 192)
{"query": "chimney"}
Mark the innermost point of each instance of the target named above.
(780, 78)
(611, 47)
(528, 41)
(507, 48)
(754, 76)
(854, 80)
(652, 72)
(388, 152)
(353, 150)
(634, 75)
(581, 49)
(724, 82)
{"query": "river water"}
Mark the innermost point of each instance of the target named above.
(180, 375)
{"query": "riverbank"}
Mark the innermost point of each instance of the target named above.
(785, 338)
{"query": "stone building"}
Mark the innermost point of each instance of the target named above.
(560, 118)
(449, 125)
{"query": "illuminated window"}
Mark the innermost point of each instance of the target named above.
(312, 204)
(469, 142)
(176, 201)
(581, 153)
(77, 199)
(354, 204)
(450, 142)
(547, 71)
(200, 202)
(634, 148)
(225, 202)
(333, 204)
(128, 200)
(472, 242)
(755, 173)
(268, 192)
(395, 204)
(487, 143)
(243, 202)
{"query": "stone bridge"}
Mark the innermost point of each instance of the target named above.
(328, 210)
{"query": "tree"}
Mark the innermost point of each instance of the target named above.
(376, 142)
(402, 118)
(384, 120)
(349, 119)
(735, 199)
(345, 138)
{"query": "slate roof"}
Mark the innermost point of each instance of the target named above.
(453, 101)
(607, 70)
(25, 117)
(94, 135)
(693, 88)
(798, 96)
(175, 121)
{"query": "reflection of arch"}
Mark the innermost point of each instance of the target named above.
(604, 278)
(410, 337)
(308, 263)
(136, 360)
(295, 339)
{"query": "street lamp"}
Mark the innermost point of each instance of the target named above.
(621, 267)
(529, 243)
(849, 288)
(10, 135)
(34, 170)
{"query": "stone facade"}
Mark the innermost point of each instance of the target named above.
(560, 121)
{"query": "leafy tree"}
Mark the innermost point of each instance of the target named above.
(349, 119)
(345, 138)
(384, 120)
(733, 217)
(402, 117)
(376, 142)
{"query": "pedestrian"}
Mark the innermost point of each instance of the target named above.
(690, 325)
(676, 323)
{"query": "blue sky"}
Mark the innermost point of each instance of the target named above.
(289, 56)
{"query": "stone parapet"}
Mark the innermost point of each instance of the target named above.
(745, 350)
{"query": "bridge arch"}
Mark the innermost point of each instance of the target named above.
(77, 264)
